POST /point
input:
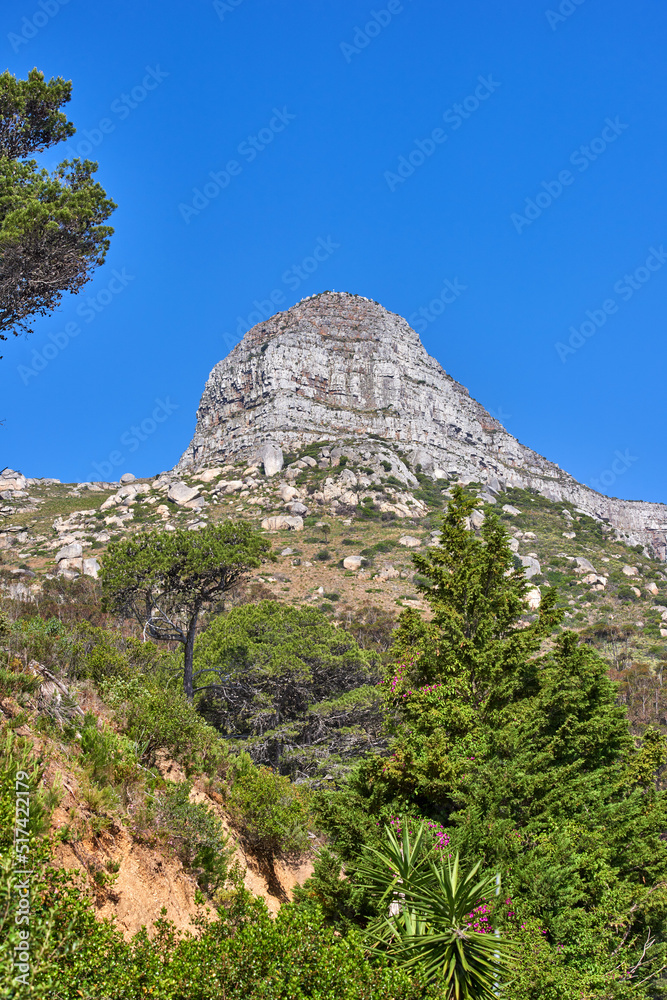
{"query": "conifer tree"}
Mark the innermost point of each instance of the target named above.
(508, 733)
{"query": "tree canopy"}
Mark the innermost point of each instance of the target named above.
(282, 678)
(52, 226)
(165, 580)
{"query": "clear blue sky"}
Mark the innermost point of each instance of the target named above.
(317, 104)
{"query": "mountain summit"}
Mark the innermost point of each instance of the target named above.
(340, 367)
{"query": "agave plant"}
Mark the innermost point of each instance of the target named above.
(428, 911)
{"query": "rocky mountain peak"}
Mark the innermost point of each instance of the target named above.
(341, 368)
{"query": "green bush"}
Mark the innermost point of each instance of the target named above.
(110, 758)
(272, 814)
(163, 719)
(386, 545)
(197, 835)
(15, 680)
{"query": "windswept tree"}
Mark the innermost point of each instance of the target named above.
(291, 683)
(52, 225)
(165, 580)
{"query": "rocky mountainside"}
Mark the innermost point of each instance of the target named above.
(341, 367)
(331, 429)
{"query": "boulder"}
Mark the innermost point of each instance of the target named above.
(69, 565)
(181, 493)
(234, 485)
(287, 551)
(127, 477)
(583, 565)
(652, 588)
(111, 501)
(388, 573)
(477, 519)
(533, 598)
(10, 480)
(280, 522)
(297, 508)
(68, 574)
(597, 582)
(569, 534)
(288, 493)
(331, 491)
(509, 509)
(71, 551)
(91, 567)
(630, 571)
(208, 475)
(409, 541)
(531, 566)
(353, 562)
(270, 456)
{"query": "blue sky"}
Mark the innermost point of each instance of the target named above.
(513, 149)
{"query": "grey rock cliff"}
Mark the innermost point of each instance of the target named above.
(341, 367)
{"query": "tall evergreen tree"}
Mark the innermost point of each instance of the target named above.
(510, 736)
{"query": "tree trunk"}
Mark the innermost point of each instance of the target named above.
(188, 683)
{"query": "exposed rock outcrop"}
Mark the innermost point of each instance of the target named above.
(341, 367)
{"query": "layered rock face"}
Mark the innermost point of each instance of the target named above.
(340, 367)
